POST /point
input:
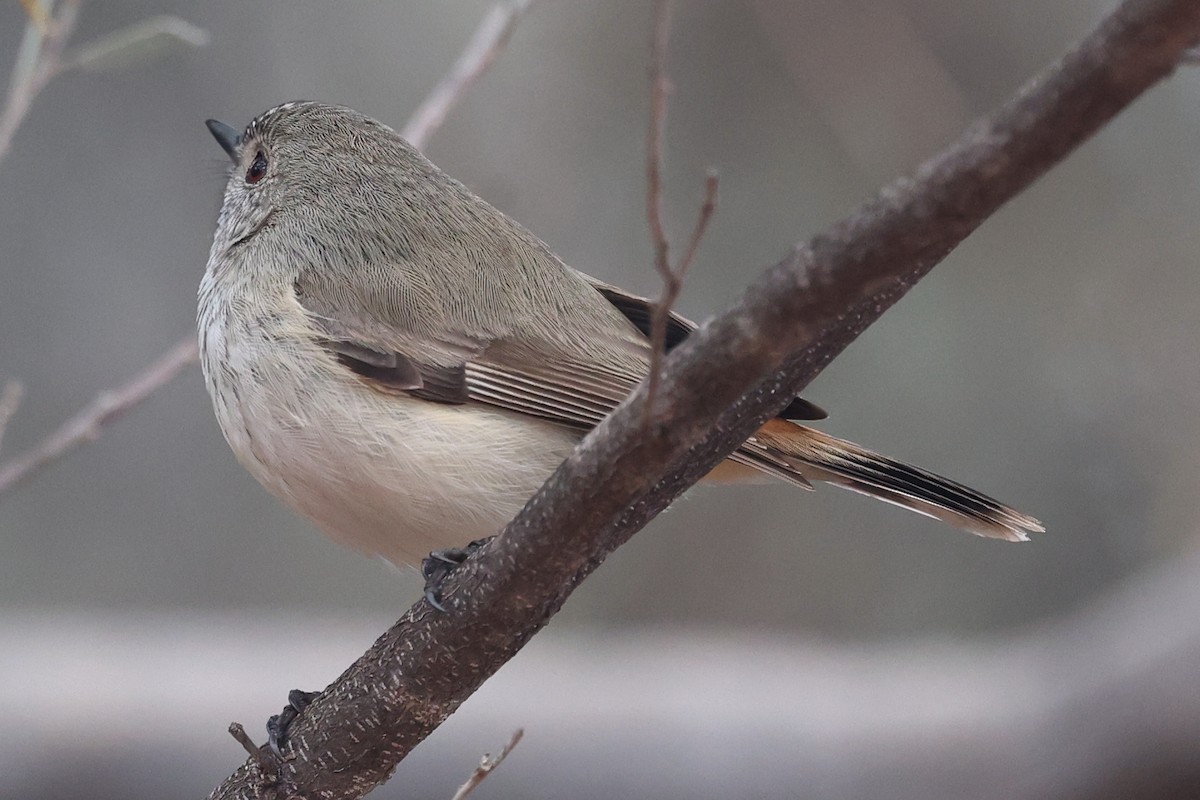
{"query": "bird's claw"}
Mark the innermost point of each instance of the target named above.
(278, 724)
(438, 565)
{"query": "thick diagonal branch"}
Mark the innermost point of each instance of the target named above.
(717, 386)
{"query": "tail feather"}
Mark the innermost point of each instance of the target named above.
(803, 454)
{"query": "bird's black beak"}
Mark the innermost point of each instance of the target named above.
(226, 136)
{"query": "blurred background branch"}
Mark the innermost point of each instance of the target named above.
(107, 407)
(38, 60)
(40, 56)
(485, 46)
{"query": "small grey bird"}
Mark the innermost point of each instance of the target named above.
(405, 365)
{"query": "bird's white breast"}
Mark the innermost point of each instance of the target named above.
(389, 475)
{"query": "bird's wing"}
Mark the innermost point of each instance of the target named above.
(640, 312)
(399, 341)
(395, 343)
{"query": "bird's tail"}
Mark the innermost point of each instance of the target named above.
(800, 454)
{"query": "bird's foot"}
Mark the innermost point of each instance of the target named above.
(438, 565)
(277, 726)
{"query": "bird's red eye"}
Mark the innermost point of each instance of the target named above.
(258, 168)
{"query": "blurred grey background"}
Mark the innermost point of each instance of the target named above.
(1049, 361)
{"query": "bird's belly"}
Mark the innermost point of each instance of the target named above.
(401, 481)
(392, 476)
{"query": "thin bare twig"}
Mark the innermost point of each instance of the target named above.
(707, 208)
(238, 732)
(105, 408)
(659, 89)
(479, 54)
(485, 46)
(38, 60)
(267, 776)
(486, 765)
(134, 42)
(672, 276)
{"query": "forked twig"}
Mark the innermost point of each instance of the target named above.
(38, 60)
(487, 765)
(672, 276)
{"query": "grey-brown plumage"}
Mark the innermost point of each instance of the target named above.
(406, 365)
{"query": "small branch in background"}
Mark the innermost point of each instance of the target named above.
(672, 276)
(105, 408)
(40, 57)
(38, 60)
(140, 41)
(487, 43)
(481, 51)
(486, 765)
(38, 15)
(10, 400)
